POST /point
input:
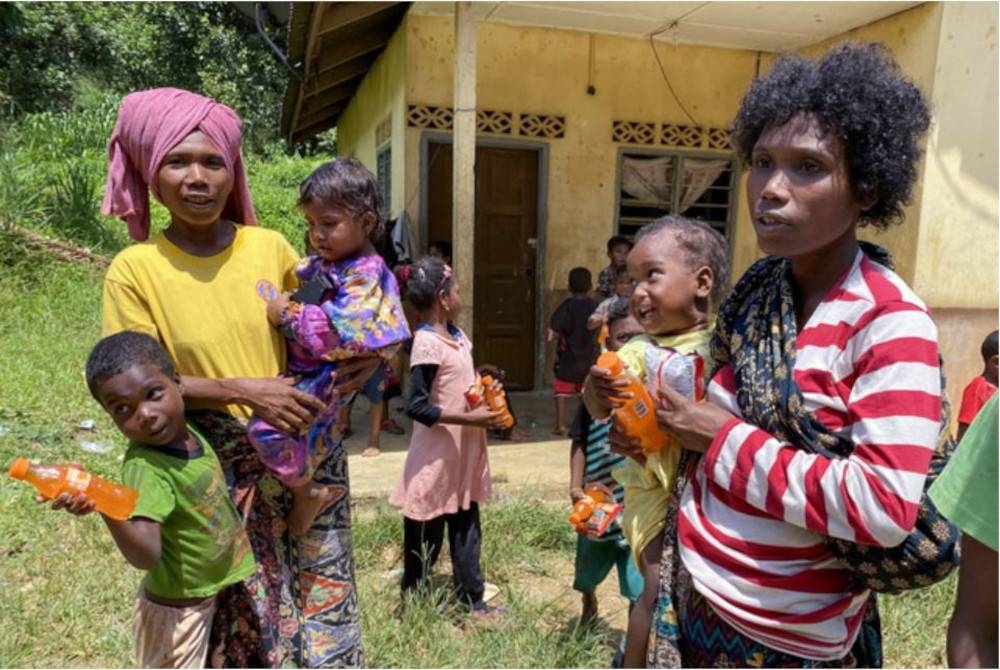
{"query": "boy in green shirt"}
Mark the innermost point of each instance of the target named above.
(184, 531)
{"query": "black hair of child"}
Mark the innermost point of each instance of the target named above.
(617, 240)
(621, 272)
(426, 279)
(117, 353)
(346, 183)
(618, 310)
(580, 280)
(443, 247)
(702, 244)
(990, 348)
(857, 92)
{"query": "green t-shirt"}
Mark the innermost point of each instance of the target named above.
(966, 492)
(204, 545)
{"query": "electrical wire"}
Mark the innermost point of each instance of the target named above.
(666, 79)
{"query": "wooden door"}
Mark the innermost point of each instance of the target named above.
(506, 234)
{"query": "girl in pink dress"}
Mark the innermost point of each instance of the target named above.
(446, 474)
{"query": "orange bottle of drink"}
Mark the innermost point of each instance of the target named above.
(115, 501)
(497, 402)
(584, 507)
(637, 417)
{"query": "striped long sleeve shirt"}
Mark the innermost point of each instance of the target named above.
(754, 520)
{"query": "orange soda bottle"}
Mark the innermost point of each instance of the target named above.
(115, 501)
(497, 402)
(637, 417)
(584, 508)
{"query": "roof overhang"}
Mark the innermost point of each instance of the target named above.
(336, 43)
(332, 45)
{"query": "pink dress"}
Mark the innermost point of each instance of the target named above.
(446, 466)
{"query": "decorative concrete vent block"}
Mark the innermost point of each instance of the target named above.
(718, 138)
(681, 136)
(543, 125)
(490, 121)
(427, 116)
(633, 132)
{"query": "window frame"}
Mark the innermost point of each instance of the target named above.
(679, 153)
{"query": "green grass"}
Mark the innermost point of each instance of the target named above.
(66, 593)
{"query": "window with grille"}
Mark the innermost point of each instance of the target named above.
(696, 185)
(383, 174)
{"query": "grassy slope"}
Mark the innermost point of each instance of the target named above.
(66, 593)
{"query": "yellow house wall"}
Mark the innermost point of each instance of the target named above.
(946, 248)
(948, 49)
(912, 37)
(381, 95)
(546, 71)
(957, 247)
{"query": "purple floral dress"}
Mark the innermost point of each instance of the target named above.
(357, 312)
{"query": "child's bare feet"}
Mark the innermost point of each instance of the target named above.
(371, 451)
(307, 501)
(559, 430)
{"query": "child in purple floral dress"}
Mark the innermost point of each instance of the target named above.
(348, 306)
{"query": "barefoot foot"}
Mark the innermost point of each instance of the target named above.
(306, 505)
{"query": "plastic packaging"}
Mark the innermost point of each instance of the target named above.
(116, 501)
(475, 394)
(637, 417)
(593, 513)
(685, 373)
(497, 402)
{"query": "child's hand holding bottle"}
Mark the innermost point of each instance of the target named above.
(483, 417)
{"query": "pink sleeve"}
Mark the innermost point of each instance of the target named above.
(894, 417)
(426, 350)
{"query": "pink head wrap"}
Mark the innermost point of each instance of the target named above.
(150, 124)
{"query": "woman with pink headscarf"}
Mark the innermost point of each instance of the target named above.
(200, 286)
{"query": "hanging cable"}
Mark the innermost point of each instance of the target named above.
(663, 72)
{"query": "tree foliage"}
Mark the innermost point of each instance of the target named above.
(54, 54)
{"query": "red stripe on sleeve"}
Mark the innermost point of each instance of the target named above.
(883, 404)
(777, 483)
(743, 468)
(815, 512)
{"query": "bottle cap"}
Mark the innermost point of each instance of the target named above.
(610, 361)
(19, 468)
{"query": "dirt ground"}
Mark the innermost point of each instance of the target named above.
(536, 462)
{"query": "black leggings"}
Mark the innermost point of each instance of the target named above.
(422, 544)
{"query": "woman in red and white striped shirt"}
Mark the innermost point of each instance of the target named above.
(832, 145)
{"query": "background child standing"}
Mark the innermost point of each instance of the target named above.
(679, 268)
(576, 346)
(982, 388)
(591, 460)
(184, 531)
(348, 307)
(446, 474)
(599, 318)
(618, 248)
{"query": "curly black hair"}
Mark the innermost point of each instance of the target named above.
(857, 92)
(117, 353)
(347, 183)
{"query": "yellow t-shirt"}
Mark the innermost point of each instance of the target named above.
(209, 313)
(647, 488)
